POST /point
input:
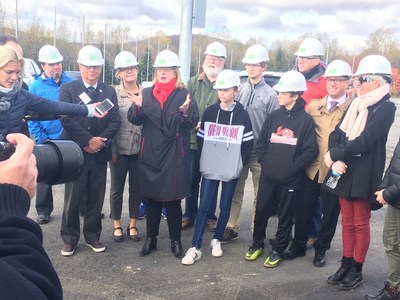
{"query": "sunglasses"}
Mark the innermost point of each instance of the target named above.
(363, 79)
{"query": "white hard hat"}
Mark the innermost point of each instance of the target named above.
(227, 79)
(90, 56)
(255, 54)
(125, 59)
(50, 55)
(374, 64)
(310, 47)
(291, 81)
(165, 59)
(216, 49)
(338, 68)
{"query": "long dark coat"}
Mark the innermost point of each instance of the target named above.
(365, 155)
(164, 157)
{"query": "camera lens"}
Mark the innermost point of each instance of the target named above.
(58, 161)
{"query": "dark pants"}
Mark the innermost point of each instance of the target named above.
(330, 216)
(285, 199)
(305, 209)
(174, 218)
(92, 182)
(44, 199)
(124, 164)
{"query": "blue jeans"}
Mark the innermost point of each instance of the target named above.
(191, 201)
(208, 190)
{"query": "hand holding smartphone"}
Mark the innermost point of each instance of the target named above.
(104, 106)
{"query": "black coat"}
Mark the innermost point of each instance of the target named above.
(81, 130)
(365, 155)
(164, 158)
(391, 181)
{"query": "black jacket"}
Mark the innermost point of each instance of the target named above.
(26, 270)
(287, 145)
(164, 157)
(82, 129)
(391, 181)
(365, 155)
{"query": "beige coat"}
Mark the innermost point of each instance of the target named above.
(325, 123)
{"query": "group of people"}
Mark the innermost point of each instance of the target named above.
(313, 150)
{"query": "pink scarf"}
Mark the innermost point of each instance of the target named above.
(356, 117)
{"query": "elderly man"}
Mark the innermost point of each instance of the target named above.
(47, 85)
(94, 137)
(201, 88)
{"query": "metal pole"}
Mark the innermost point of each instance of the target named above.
(16, 19)
(136, 47)
(185, 40)
(55, 25)
(230, 65)
(148, 59)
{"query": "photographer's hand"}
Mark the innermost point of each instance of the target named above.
(20, 169)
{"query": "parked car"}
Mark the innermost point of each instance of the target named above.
(73, 74)
(271, 78)
(31, 69)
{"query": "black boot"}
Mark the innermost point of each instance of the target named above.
(387, 293)
(149, 245)
(176, 248)
(342, 272)
(353, 278)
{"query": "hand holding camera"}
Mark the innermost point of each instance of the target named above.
(20, 169)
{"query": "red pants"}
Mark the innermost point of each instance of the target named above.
(356, 215)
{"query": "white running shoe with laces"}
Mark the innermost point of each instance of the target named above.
(191, 256)
(216, 250)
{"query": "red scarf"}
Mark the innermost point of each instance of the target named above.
(161, 91)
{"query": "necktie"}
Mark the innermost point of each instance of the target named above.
(333, 104)
(90, 88)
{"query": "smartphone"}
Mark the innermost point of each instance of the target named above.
(104, 107)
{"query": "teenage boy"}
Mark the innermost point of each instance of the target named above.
(286, 147)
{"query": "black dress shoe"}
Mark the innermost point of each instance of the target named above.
(149, 245)
(134, 237)
(293, 252)
(176, 248)
(319, 259)
(118, 238)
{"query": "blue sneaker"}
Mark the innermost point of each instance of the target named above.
(164, 213)
(142, 210)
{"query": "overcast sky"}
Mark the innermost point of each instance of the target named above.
(351, 21)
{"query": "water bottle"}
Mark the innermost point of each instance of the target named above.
(333, 180)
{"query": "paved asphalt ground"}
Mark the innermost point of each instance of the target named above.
(120, 273)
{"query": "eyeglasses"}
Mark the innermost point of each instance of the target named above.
(95, 68)
(335, 80)
(164, 69)
(253, 65)
(128, 69)
(214, 58)
(363, 79)
(306, 58)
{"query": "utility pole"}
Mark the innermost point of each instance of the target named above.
(55, 25)
(185, 39)
(16, 19)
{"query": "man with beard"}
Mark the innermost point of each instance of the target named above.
(47, 85)
(201, 88)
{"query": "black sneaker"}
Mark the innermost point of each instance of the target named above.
(43, 219)
(68, 249)
(96, 246)
(229, 236)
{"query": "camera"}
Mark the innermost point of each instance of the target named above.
(57, 161)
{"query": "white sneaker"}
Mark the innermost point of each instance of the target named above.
(216, 250)
(191, 256)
